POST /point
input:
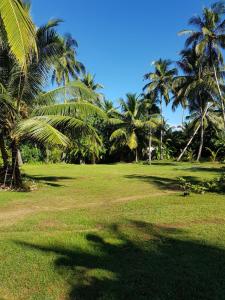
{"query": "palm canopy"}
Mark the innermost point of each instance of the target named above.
(160, 79)
(66, 65)
(197, 79)
(18, 29)
(89, 80)
(209, 34)
(128, 122)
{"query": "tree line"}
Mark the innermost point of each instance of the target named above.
(76, 123)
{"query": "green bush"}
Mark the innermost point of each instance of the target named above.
(30, 153)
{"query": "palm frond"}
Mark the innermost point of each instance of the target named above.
(74, 89)
(19, 28)
(70, 109)
(41, 132)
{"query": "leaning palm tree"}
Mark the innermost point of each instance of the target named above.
(17, 28)
(198, 118)
(209, 39)
(161, 83)
(196, 86)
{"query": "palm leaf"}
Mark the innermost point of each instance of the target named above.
(74, 89)
(40, 131)
(19, 28)
(70, 109)
(132, 141)
(67, 123)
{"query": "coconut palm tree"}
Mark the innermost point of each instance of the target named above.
(66, 65)
(198, 119)
(196, 86)
(161, 83)
(48, 125)
(151, 116)
(21, 93)
(129, 122)
(208, 39)
(19, 30)
(89, 80)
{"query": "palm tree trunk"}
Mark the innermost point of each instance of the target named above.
(16, 175)
(182, 120)
(93, 159)
(193, 135)
(201, 140)
(4, 153)
(136, 155)
(161, 131)
(220, 93)
(150, 146)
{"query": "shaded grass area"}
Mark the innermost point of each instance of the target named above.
(113, 232)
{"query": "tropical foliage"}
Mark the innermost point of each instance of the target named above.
(75, 123)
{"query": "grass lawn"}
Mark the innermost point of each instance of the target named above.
(112, 232)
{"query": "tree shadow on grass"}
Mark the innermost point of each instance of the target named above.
(158, 163)
(163, 182)
(140, 261)
(220, 170)
(48, 180)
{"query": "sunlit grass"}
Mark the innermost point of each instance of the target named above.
(112, 232)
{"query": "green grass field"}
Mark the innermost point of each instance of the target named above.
(112, 232)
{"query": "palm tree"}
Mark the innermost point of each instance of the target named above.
(211, 117)
(196, 86)
(208, 40)
(151, 116)
(66, 65)
(20, 93)
(161, 83)
(19, 29)
(129, 122)
(89, 80)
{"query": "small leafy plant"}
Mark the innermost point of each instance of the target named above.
(216, 185)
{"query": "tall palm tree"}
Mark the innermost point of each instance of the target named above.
(211, 117)
(19, 30)
(161, 83)
(20, 93)
(196, 86)
(208, 39)
(151, 115)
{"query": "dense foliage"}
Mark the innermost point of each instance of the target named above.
(75, 123)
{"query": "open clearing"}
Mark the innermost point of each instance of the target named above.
(119, 231)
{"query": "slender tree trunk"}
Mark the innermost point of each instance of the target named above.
(201, 140)
(220, 93)
(16, 175)
(150, 146)
(161, 131)
(136, 155)
(182, 120)
(193, 135)
(20, 159)
(4, 153)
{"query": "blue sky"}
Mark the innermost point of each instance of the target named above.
(118, 39)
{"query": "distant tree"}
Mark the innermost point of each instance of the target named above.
(161, 84)
(209, 39)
